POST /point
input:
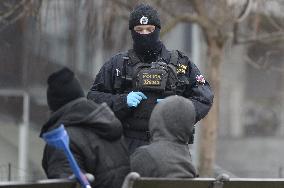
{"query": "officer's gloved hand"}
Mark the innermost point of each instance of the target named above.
(159, 100)
(134, 98)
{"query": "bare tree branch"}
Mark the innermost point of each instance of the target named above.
(5, 15)
(276, 36)
(165, 9)
(199, 7)
(122, 4)
(15, 11)
(182, 18)
(245, 12)
(263, 63)
(274, 23)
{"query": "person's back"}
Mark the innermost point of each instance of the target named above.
(168, 155)
(94, 132)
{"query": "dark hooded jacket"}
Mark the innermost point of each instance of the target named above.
(95, 141)
(168, 155)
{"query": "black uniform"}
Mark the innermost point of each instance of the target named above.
(95, 141)
(119, 76)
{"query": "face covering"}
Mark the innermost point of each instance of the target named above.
(148, 46)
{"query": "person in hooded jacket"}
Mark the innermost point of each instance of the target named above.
(132, 83)
(94, 132)
(168, 156)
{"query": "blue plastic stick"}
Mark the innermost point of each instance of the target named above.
(60, 139)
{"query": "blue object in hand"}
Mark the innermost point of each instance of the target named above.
(134, 98)
(60, 139)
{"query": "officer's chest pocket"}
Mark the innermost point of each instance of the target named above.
(122, 84)
(183, 79)
(182, 84)
(118, 83)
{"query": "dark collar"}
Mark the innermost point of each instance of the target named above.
(55, 116)
(164, 55)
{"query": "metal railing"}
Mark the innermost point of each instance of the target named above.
(133, 180)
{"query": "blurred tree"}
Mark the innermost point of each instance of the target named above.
(13, 10)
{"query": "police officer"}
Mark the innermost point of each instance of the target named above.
(131, 83)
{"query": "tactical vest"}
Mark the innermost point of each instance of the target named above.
(160, 77)
(156, 80)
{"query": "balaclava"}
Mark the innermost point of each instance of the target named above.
(147, 46)
(63, 87)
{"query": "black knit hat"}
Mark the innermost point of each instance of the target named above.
(63, 87)
(144, 14)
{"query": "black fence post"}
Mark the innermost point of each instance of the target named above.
(280, 175)
(9, 171)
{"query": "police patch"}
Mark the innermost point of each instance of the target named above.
(144, 20)
(181, 68)
(200, 79)
(151, 79)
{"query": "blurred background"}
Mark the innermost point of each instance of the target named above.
(237, 44)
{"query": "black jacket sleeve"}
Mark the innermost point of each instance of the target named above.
(200, 93)
(102, 89)
(56, 164)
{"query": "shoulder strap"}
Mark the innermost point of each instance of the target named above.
(130, 65)
(174, 57)
(173, 62)
(133, 57)
(172, 67)
(126, 72)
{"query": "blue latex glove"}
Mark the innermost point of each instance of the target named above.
(159, 100)
(134, 98)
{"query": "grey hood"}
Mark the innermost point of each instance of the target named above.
(172, 120)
